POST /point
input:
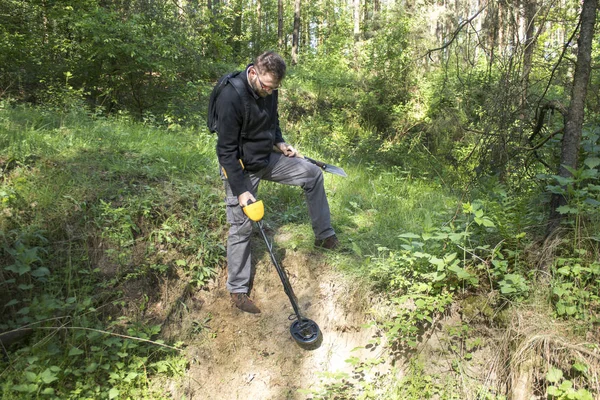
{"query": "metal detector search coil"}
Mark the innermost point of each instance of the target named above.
(303, 330)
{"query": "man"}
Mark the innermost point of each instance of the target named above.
(246, 160)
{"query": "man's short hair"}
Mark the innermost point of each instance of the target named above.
(271, 63)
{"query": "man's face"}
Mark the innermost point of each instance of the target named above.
(263, 84)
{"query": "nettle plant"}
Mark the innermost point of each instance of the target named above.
(576, 287)
(429, 269)
(576, 272)
(582, 189)
(560, 387)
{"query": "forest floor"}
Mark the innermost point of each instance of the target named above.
(235, 355)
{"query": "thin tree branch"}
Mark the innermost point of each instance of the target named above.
(537, 146)
(552, 105)
(455, 33)
(562, 55)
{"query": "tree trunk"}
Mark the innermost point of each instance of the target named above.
(366, 18)
(530, 11)
(257, 38)
(280, 24)
(296, 33)
(237, 29)
(356, 20)
(574, 121)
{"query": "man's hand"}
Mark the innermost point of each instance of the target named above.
(286, 149)
(244, 198)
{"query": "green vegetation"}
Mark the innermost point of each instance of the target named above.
(465, 210)
(90, 205)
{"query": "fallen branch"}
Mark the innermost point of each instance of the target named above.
(111, 334)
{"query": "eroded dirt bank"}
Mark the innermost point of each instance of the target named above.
(234, 355)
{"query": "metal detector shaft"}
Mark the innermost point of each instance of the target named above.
(286, 283)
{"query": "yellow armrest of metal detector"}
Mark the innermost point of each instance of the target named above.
(255, 211)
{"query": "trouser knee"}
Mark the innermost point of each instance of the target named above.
(315, 179)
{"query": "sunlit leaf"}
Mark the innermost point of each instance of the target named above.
(554, 375)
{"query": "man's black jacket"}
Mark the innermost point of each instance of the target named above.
(262, 132)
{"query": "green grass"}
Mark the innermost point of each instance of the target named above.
(87, 205)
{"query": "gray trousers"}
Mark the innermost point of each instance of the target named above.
(281, 169)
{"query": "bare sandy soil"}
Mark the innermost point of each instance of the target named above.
(235, 355)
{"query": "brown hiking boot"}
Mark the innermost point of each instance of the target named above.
(330, 243)
(243, 302)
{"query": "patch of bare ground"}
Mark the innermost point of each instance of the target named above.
(234, 355)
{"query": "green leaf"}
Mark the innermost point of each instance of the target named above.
(12, 303)
(554, 375)
(553, 391)
(25, 287)
(436, 261)
(30, 376)
(580, 367)
(23, 311)
(507, 289)
(583, 394)
(449, 257)
(592, 202)
(114, 392)
(567, 210)
(48, 376)
(41, 271)
(592, 162)
(488, 223)
(562, 180)
(18, 269)
(566, 385)
(75, 351)
(439, 276)
(467, 208)
(26, 388)
(566, 270)
(456, 237)
(409, 235)
(461, 273)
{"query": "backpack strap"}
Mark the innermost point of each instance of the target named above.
(240, 88)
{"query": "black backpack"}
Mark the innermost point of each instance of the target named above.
(240, 88)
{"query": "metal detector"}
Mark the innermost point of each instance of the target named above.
(303, 330)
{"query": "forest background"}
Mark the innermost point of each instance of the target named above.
(470, 130)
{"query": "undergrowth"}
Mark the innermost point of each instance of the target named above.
(92, 208)
(95, 211)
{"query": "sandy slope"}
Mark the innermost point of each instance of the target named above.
(235, 355)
